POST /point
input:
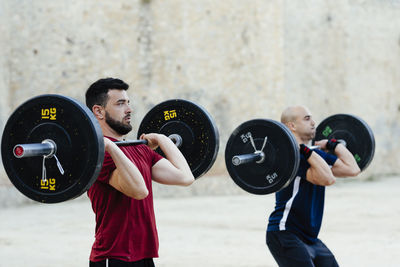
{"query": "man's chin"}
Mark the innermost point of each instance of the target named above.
(124, 131)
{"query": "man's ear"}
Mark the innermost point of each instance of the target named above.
(98, 111)
(291, 125)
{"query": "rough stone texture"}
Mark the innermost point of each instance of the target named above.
(238, 59)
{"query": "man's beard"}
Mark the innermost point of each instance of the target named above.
(118, 126)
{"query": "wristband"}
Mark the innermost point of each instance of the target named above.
(305, 151)
(331, 144)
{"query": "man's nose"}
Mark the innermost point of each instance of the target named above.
(128, 110)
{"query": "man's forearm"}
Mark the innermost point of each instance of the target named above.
(319, 172)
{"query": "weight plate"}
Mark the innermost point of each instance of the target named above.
(80, 148)
(200, 137)
(281, 156)
(358, 135)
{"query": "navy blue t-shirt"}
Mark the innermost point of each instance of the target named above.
(299, 206)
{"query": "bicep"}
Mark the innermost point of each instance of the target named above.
(164, 172)
(114, 180)
(339, 169)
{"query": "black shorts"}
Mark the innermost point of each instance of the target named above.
(119, 263)
(289, 250)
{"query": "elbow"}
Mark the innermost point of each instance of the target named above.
(188, 181)
(355, 171)
(142, 195)
(139, 194)
(329, 181)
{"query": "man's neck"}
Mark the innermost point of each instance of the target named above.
(108, 131)
(303, 141)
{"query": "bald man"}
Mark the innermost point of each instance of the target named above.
(292, 233)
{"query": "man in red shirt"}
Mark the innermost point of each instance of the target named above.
(122, 198)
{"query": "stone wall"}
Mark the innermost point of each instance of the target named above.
(238, 59)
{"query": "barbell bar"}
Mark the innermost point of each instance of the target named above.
(259, 156)
(47, 148)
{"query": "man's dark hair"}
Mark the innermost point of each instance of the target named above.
(97, 92)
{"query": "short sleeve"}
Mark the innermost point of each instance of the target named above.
(329, 158)
(155, 157)
(107, 169)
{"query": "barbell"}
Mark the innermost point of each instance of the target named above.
(53, 149)
(262, 155)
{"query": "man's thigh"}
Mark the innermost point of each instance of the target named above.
(288, 250)
(323, 256)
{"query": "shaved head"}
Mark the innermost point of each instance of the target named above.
(291, 113)
(299, 121)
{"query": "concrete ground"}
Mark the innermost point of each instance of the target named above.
(361, 226)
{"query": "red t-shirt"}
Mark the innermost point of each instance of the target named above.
(125, 227)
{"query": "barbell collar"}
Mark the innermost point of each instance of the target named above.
(47, 149)
(257, 157)
(176, 139)
(343, 142)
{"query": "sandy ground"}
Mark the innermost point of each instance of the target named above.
(361, 226)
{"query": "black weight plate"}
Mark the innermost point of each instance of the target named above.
(281, 156)
(358, 135)
(80, 148)
(193, 123)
